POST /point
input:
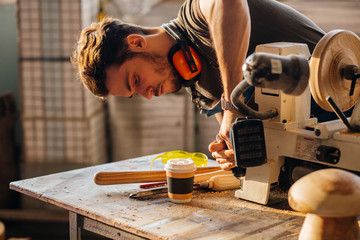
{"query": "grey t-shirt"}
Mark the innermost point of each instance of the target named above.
(271, 21)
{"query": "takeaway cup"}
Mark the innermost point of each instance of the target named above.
(180, 179)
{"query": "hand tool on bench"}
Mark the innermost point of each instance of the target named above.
(144, 194)
(220, 182)
(216, 183)
(109, 178)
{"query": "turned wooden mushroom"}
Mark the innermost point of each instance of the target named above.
(331, 199)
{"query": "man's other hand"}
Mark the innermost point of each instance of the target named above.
(223, 155)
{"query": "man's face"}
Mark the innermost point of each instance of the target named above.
(142, 75)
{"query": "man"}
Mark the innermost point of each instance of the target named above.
(122, 60)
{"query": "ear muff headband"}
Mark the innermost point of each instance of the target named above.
(183, 57)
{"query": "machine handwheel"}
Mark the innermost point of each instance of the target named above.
(337, 50)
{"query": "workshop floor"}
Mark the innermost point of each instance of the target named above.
(37, 230)
(39, 224)
(44, 231)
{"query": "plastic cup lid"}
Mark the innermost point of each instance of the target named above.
(180, 165)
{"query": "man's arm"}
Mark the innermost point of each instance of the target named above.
(229, 26)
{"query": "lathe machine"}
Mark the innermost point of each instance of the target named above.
(295, 142)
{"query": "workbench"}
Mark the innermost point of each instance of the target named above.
(108, 210)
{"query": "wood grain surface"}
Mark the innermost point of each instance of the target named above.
(210, 215)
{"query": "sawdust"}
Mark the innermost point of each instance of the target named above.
(271, 161)
(347, 132)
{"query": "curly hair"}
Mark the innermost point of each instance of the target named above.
(101, 45)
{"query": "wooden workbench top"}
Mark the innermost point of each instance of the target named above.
(210, 215)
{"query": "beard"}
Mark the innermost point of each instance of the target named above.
(162, 66)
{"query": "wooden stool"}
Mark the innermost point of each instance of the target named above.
(2, 231)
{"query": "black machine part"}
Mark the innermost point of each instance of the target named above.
(328, 154)
(351, 72)
(289, 74)
(248, 142)
(353, 125)
(294, 169)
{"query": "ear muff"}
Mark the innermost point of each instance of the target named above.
(190, 73)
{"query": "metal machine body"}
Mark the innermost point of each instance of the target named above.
(296, 143)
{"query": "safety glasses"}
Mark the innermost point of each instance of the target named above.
(199, 159)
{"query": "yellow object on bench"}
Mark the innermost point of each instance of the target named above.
(200, 159)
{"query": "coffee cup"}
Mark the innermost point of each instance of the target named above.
(180, 179)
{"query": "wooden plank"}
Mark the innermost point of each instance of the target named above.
(106, 230)
(75, 231)
(208, 214)
(108, 178)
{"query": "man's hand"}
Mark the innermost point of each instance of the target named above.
(223, 156)
(228, 118)
(221, 148)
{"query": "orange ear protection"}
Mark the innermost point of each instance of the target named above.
(188, 64)
(183, 57)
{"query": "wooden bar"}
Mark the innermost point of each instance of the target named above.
(109, 178)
